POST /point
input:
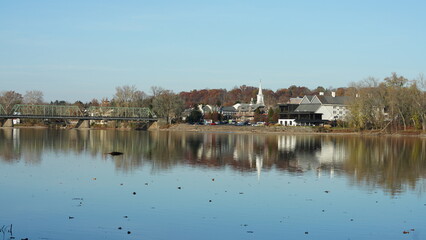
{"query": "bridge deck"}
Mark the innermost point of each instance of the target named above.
(78, 117)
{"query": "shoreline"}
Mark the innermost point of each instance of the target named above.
(285, 130)
(289, 130)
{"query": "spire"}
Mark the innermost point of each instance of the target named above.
(260, 95)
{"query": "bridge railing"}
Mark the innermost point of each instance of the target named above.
(120, 112)
(47, 110)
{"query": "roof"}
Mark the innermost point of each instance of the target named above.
(340, 100)
(229, 109)
(308, 108)
(306, 99)
(244, 107)
(295, 100)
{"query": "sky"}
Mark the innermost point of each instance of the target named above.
(80, 50)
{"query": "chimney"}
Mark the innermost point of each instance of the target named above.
(321, 93)
(333, 94)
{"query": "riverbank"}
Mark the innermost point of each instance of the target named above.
(284, 130)
(256, 129)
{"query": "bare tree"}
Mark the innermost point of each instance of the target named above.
(156, 90)
(368, 105)
(9, 98)
(128, 96)
(33, 97)
(418, 95)
(397, 99)
(168, 105)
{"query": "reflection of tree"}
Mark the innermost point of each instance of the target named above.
(392, 163)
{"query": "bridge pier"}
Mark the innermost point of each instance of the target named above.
(82, 124)
(7, 123)
(153, 126)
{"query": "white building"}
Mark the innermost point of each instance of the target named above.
(331, 107)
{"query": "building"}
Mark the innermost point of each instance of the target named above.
(290, 116)
(332, 107)
(314, 110)
(245, 111)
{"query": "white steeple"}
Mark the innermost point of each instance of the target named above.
(260, 96)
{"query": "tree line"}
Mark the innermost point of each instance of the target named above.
(391, 104)
(167, 104)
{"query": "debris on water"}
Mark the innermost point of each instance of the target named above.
(115, 153)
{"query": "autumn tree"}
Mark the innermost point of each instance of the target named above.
(273, 115)
(195, 116)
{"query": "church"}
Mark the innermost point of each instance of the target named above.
(245, 111)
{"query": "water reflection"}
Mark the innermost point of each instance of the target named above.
(391, 163)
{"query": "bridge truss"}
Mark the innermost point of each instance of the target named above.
(74, 112)
(2, 111)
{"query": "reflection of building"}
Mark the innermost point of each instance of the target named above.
(286, 143)
(259, 165)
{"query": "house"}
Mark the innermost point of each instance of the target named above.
(228, 112)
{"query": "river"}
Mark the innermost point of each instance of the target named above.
(63, 184)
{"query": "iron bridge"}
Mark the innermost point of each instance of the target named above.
(25, 111)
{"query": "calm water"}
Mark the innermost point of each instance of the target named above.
(61, 184)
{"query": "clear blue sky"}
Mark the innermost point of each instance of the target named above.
(79, 50)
